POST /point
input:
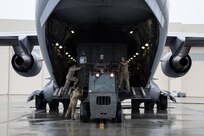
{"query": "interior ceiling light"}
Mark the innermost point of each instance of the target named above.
(143, 47)
(137, 53)
(131, 58)
(60, 47)
(97, 74)
(72, 32)
(131, 32)
(111, 74)
(146, 44)
(134, 56)
(71, 57)
(57, 44)
(67, 53)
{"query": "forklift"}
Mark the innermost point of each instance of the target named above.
(102, 99)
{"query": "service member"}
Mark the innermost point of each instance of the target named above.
(75, 95)
(124, 74)
(70, 77)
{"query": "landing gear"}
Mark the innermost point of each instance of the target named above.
(135, 105)
(40, 102)
(162, 104)
(84, 112)
(53, 105)
(149, 106)
(118, 117)
(65, 105)
(119, 113)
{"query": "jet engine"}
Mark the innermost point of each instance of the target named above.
(175, 66)
(27, 65)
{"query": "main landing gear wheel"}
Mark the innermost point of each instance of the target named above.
(119, 117)
(119, 113)
(54, 105)
(135, 105)
(65, 104)
(162, 104)
(84, 112)
(40, 102)
(149, 106)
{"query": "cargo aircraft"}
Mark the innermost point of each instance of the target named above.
(90, 32)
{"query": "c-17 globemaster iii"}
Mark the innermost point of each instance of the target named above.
(96, 34)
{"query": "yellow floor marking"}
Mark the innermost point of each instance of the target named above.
(102, 125)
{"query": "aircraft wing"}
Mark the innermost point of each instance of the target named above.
(180, 43)
(23, 44)
(12, 39)
(191, 39)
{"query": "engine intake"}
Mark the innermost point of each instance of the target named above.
(25, 65)
(175, 66)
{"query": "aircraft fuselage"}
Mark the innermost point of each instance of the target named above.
(135, 29)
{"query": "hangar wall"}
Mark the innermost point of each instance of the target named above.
(192, 82)
(10, 25)
(12, 83)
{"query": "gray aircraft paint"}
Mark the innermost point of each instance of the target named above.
(45, 7)
(40, 6)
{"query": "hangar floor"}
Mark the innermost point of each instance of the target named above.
(20, 118)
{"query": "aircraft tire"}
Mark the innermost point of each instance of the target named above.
(84, 113)
(162, 104)
(119, 113)
(54, 105)
(40, 102)
(149, 106)
(135, 105)
(65, 104)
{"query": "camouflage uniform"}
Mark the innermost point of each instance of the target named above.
(75, 95)
(124, 75)
(70, 77)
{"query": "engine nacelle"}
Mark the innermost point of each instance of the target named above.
(175, 66)
(25, 65)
